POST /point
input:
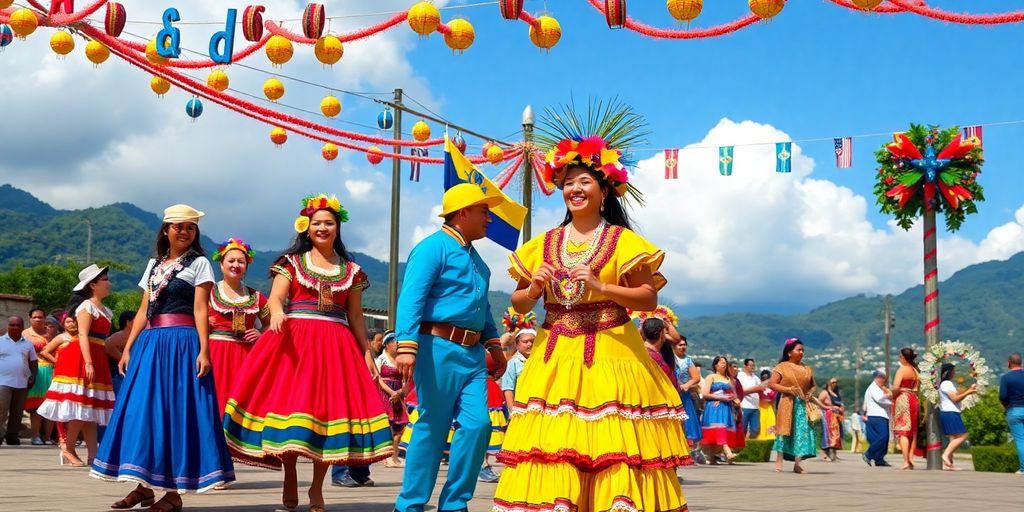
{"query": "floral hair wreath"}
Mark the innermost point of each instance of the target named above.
(231, 244)
(591, 152)
(313, 203)
(514, 321)
(661, 312)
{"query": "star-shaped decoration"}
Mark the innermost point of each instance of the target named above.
(930, 165)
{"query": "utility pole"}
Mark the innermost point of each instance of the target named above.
(859, 359)
(396, 186)
(88, 241)
(890, 322)
(528, 171)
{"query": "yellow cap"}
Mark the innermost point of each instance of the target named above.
(182, 213)
(465, 195)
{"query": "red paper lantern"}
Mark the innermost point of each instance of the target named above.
(511, 9)
(329, 151)
(374, 155)
(113, 22)
(252, 22)
(278, 135)
(313, 20)
(615, 13)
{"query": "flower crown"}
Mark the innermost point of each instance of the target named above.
(234, 243)
(311, 204)
(514, 321)
(662, 312)
(591, 152)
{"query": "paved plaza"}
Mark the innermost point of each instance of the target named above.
(31, 480)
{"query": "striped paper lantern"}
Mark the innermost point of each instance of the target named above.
(511, 9)
(313, 17)
(615, 13)
(252, 22)
(113, 22)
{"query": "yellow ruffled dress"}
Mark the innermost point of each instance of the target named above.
(596, 424)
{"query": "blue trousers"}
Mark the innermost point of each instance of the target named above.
(1015, 419)
(752, 421)
(359, 473)
(451, 384)
(877, 433)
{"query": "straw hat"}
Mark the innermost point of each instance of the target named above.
(182, 213)
(87, 275)
(465, 195)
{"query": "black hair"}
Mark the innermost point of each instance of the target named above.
(303, 243)
(77, 298)
(683, 338)
(36, 308)
(372, 333)
(765, 374)
(612, 210)
(714, 363)
(947, 371)
(747, 360)
(911, 356)
(668, 355)
(1014, 359)
(788, 349)
(124, 318)
(163, 241)
(652, 328)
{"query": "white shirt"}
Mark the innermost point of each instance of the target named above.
(14, 361)
(876, 403)
(750, 400)
(946, 390)
(199, 272)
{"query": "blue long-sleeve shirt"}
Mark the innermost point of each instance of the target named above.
(446, 281)
(1011, 389)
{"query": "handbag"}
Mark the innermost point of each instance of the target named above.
(813, 412)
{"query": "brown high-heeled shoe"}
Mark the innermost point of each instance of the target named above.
(166, 505)
(136, 497)
(70, 459)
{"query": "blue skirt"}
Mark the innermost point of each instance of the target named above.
(166, 431)
(692, 424)
(952, 423)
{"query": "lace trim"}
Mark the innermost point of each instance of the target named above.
(582, 320)
(630, 412)
(591, 464)
(619, 503)
(312, 279)
(222, 304)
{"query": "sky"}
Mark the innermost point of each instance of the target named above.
(80, 137)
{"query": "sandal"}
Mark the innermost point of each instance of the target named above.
(165, 505)
(388, 463)
(136, 497)
(317, 508)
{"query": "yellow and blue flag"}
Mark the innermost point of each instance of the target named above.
(507, 218)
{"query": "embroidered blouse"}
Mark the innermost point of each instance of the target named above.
(317, 293)
(230, 319)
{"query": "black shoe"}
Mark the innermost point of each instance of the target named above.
(866, 459)
(882, 464)
(13, 441)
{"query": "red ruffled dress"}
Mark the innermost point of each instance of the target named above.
(306, 390)
(73, 397)
(228, 349)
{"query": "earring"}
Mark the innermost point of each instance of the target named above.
(602, 208)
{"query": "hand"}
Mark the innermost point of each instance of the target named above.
(371, 365)
(122, 365)
(90, 371)
(251, 336)
(685, 387)
(405, 363)
(541, 277)
(277, 321)
(500, 362)
(31, 380)
(202, 365)
(585, 275)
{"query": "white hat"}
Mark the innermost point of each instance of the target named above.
(87, 275)
(182, 213)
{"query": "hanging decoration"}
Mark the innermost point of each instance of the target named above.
(194, 108)
(329, 151)
(375, 155)
(329, 50)
(459, 142)
(615, 13)
(495, 154)
(113, 21)
(252, 22)
(153, 55)
(278, 136)
(947, 351)
(424, 18)
(486, 147)
(672, 164)
(866, 5)
(685, 10)
(784, 157)
(5, 3)
(725, 160)
(6, 35)
(62, 43)
(972, 134)
(421, 131)
(313, 17)
(766, 9)
(159, 86)
(459, 35)
(929, 169)
(385, 120)
(96, 53)
(844, 152)
(23, 22)
(511, 9)
(218, 80)
(545, 32)
(273, 89)
(330, 106)
(279, 50)
(662, 312)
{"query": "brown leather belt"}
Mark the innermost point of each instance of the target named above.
(457, 335)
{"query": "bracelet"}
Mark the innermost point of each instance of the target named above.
(528, 288)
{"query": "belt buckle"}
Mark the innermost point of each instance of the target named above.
(465, 333)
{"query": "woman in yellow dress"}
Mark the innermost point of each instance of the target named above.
(596, 425)
(767, 408)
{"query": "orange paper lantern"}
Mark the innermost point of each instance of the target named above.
(328, 50)
(273, 89)
(152, 55)
(546, 32)
(685, 10)
(421, 131)
(159, 85)
(329, 151)
(23, 22)
(278, 135)
(62, 43)
(766, 9)
(218, 80)
(279, 50)
(460, 35)
(495, 154)
(330, 106)
(867, 5)
(96, 53)
(423, 18)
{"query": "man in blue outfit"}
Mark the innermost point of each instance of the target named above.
(443, 326)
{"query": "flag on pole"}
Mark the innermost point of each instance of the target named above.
(725, 160)
(507, 218)
(671, 164)
(783, 154)
(414, 167)
(844, 152)
(973, 135)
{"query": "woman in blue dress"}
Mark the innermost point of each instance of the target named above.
(165, 433)
(718, 423)
(688, 376)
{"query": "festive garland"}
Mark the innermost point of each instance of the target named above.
(929, 169)
(661, 312)
(514, 321)
(931, 365)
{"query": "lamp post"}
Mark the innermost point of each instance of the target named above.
(528, 122)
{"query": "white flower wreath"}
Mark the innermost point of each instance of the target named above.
(932, 363)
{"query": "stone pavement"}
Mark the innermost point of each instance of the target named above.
(31, 480)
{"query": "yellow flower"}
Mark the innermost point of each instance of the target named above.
(301, 224)
(334, 204)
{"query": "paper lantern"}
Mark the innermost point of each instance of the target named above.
(487, 145)
(5, 3)
(113, 22)
(546, 32)
(459, 143)
(329, 151)
(867, 5)
(495, 154)
(278, 135)
(252, 22)
(218, 80)
(194, 108)
(615, 13)
(385, 120)
(159, 85)
(374, 155)
(273, 89)
(23, 22)
(330, 106)
(511, 9)
(685, 10)
(96, 53)
(152, 55)
(460, 35)
(766, 9)
(279, 50)
(313, 17)
(423, 18)
(421, 131)
(62, 43)
(328, 50)
(6, 35)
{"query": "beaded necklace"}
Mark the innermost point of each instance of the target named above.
(566, 290)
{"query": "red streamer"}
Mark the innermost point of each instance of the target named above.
(923, 9)
(505, 177)
(662, 33)
(883, 8)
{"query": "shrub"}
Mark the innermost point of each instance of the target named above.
(756, 451)
(996, 459)
(986, 421)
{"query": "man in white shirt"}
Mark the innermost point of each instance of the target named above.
(877, 401)
(18, 366)
(751, 398)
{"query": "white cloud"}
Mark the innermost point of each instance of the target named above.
(358, 189)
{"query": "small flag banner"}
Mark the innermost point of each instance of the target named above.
(844, 152)
(783, 157)
(414, 167)
(671, 164)
(973, 135)
(725, 160)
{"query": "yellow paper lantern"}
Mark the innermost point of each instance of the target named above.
(328, 50)
(460, 35)
(867, 5)
(278, 135)
(273, 89)
(159, 85)
(96, 52)
(423, 18)
(546, 32)
(152, 55)
(685, 10)
(766, 9)
(329, 151)
(23, 22)
(421, 131)
(218, 80)
(279, 50)
(62, 43)
(494, 154)
(330, 106)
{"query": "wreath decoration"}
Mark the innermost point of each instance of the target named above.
(662, 312)
(932, 362)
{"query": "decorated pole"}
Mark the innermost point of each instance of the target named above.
(528, 121)
(396, 186)
(931, 330)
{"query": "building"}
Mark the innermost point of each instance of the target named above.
(11, 305)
